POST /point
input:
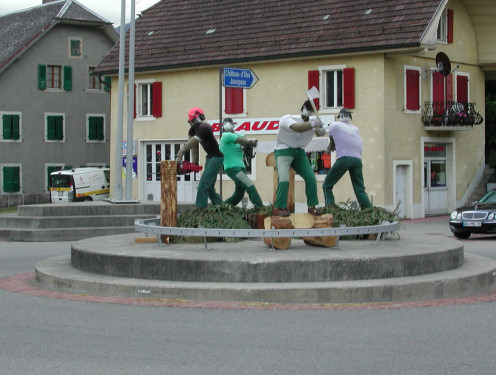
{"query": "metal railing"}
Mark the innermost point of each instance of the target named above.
(151, 226)
(449, 113)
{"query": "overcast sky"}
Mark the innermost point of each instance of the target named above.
(108, 9)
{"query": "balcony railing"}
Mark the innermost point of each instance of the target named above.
(451, 115)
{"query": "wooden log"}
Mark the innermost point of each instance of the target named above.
(146, 240)
(278, 222)
(303, 221)
(168, 191)
(322, 221)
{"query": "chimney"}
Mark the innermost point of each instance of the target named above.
(48, 1)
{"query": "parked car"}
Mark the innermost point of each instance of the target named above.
(79, 184)
(478, 217)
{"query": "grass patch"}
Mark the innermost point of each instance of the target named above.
(8, 210)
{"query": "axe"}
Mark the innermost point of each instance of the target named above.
(313, 94)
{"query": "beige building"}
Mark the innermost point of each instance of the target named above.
(413, 76)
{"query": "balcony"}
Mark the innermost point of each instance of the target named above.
(450, 116)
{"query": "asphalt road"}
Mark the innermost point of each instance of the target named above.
(41, 335)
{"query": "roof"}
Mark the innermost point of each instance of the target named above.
(177, 33)
(20, 30)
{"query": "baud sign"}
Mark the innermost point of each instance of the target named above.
(260, 125)
(251, 125)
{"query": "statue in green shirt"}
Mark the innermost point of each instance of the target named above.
(231, 145)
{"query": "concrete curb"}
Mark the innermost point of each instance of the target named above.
(477, 275)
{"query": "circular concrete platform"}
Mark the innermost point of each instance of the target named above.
(409, 268)
(251, 261)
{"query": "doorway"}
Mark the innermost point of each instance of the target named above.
(403, 188)
(435, 179)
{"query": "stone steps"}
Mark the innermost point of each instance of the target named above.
(75, 221)
(481, 189)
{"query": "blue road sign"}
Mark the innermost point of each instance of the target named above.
(239, 78)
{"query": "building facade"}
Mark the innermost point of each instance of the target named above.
(413, 76)
(54, 113)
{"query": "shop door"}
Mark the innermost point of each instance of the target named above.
(155, 153)
(435, 189)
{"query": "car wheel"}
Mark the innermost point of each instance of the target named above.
(463, 235)
(88, 199)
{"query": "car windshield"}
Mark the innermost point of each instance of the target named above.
(490, 197)
(60, 180)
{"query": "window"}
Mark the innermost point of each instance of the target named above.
(54, 127)
(11, 126)
(412, 89)
(96, 128)
(336, 85)
(93, 81)
(11, 178)
(442, 88)
(75, 47)
(148, 99)
(333, 84)
(445, 26)
(234, 101)
(52, 76)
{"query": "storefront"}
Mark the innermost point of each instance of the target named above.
(435, 178)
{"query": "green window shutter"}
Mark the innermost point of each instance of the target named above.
(6, 127)
(42, 80)
(51, 127)
(95, 128)
(15, 127)
(107, 86)
(59, 128)
(67, 78)
(11, 179)
(99, 129)
(92, 128)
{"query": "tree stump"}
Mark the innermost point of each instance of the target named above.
(278, 222)
(322, 221)
(168, 191)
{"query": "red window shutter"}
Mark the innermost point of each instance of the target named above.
(349, 88)
(412, 90)
(462, 89)
(157, 99)
(233, 100)
(449, 37)
(437, 87)
(449, 88)
(313, 81)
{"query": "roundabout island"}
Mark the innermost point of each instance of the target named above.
(361, 271)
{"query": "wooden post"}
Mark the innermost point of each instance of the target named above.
(270, 161)
(168, 190)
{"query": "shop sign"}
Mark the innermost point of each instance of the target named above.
(434, 150)
(251, 125)
(260, 125)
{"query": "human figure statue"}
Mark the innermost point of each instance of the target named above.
(231, 145)
(201, 132)
(345, 139)
(295, 133)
